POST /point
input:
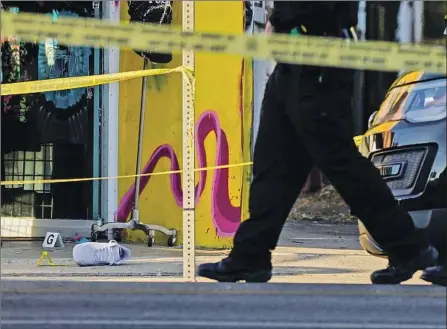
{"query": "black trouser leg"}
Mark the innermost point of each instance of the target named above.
(322, 119)
(280, 168)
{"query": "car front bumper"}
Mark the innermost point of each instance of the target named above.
(434, 220)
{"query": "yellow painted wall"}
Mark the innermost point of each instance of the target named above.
(221, 99)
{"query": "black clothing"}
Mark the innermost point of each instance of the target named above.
(229, 271)
(436, 275)
(318, 17)
(399, 271)
(305, 122)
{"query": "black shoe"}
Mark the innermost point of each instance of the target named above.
(399, 271)
(227, 271)
(436, 275)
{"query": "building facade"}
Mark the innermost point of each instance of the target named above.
(92, 132)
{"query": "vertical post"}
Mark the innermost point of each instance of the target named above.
(418, 19)
(359, 79)
(260, 75)
(96, 121)
(188, 153)
(405, 22)
(262, 69)
(110, 123)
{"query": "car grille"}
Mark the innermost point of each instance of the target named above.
(412, 160)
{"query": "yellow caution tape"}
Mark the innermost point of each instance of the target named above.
(169, 172)
(369, 55)
(89, 179)
(41, 86)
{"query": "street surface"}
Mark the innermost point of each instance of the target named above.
(321, 282)
(58, 304)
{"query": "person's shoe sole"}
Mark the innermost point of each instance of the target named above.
(260, 277)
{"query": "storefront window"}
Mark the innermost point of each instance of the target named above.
(47, 135)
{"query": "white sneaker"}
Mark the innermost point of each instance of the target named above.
(96, 253)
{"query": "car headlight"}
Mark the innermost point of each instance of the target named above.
(433, 113)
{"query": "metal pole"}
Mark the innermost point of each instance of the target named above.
(418, 19)
(260, 68)
(189, 268)
(96, 122)
(135, 216)
(359, 79)
(110, 126)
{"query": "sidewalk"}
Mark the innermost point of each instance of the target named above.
(308, 253)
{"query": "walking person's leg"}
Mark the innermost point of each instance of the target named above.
(280, 169)
(323, 122)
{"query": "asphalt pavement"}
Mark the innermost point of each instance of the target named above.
(130, 305)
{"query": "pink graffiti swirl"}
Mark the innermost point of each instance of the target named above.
(226, 217)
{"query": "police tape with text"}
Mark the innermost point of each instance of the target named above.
(42, 86)
(369, 55)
